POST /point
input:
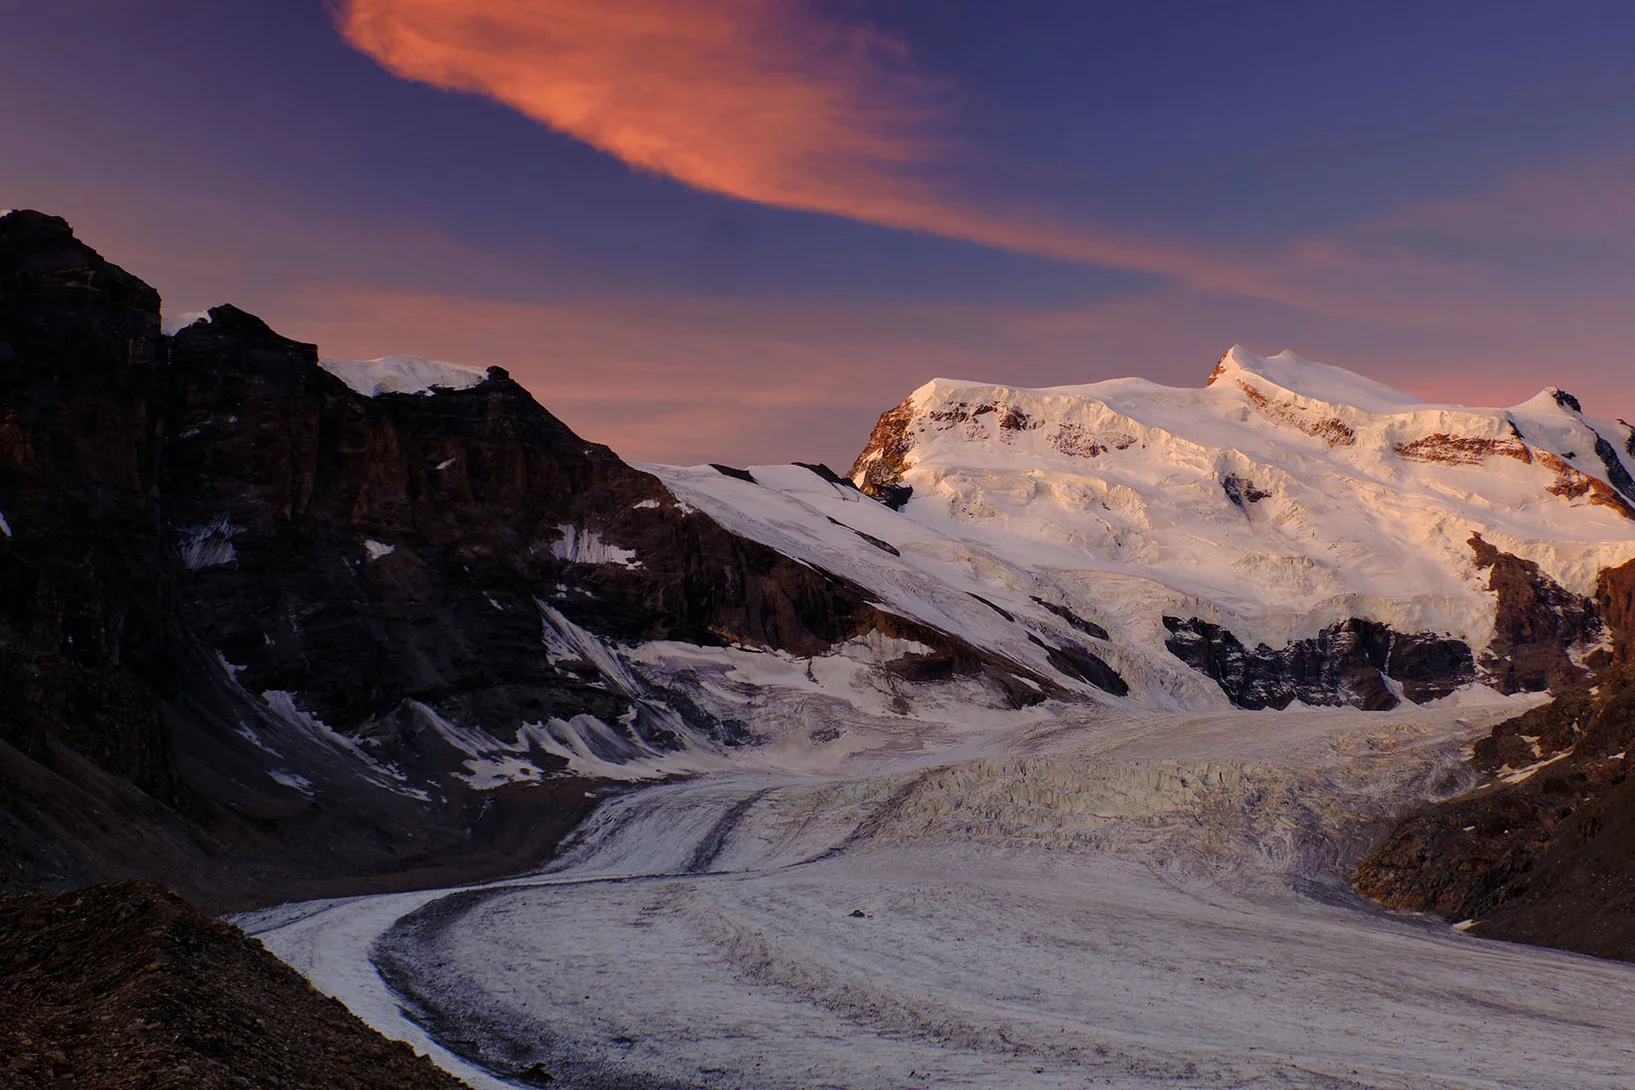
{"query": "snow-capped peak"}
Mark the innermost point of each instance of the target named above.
(1281, 497)
(171, 325)
(1316, 381)
(403, 375)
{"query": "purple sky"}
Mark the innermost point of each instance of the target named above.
(737, 232)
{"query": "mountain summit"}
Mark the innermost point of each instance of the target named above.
(1292, 530)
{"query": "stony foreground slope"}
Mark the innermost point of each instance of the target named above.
(127, 986)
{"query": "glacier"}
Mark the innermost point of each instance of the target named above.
(1131, 901)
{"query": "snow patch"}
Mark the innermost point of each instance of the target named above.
(291, 779)
(171, 325)
(5, 527)
(377, 549)
(283, 705)
(491, 762)
(249, 735)
(581, 546)
(1531, 770)
(403, 375)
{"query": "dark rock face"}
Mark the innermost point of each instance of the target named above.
(828, 474)
(1547, 859)
(485, 501)
(1536, 622)
(1616, 473)
(82, 588)
(1344, 665)
(1088, 627)
(219, 562)
(1086, 666)
(1615, 600)
(1543, 851)
(883, 546)
(729, 471)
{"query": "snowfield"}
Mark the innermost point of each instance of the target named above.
(1136, 901)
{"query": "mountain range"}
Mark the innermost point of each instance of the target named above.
(275, 626)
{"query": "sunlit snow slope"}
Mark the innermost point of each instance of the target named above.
(1279, 499)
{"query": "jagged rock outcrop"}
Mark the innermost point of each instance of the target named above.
(1540, 850)
(1538, 627)
(1346, 664)
(1615, 601)
(83, 589)
(878, 470)
(373, 548)
(1537, 623)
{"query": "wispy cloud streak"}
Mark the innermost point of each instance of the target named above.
(762, 100)
(771, 101)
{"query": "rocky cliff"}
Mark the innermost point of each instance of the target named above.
(259, 631)
(1540, 851)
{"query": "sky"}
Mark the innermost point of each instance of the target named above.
(738, 230)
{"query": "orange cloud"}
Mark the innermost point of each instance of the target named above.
(762, 100)
(771, 101)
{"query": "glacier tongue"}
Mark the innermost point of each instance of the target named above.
(1144, 900)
